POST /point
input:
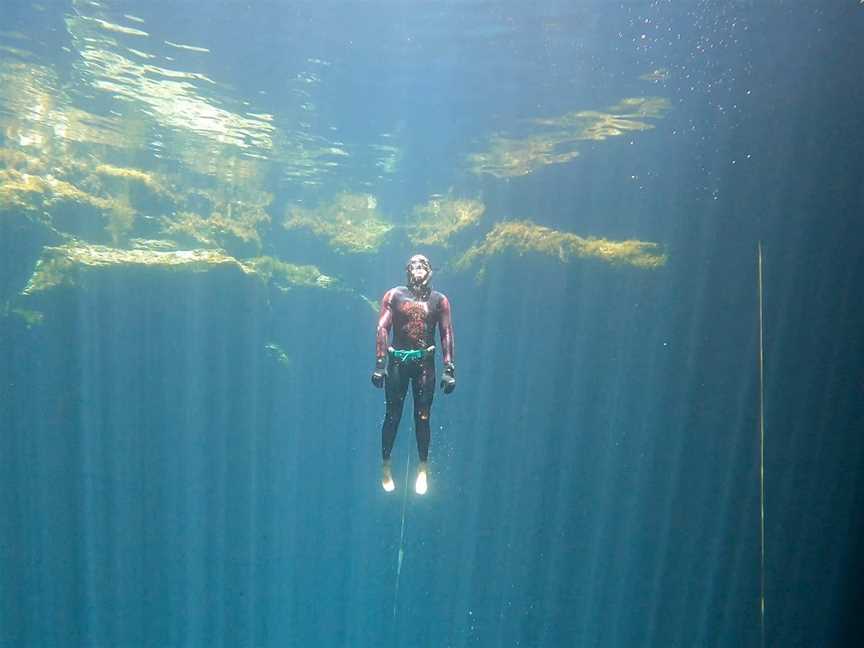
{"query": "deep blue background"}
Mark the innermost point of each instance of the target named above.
(595, 475)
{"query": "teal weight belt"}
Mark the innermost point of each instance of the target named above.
(404, 355)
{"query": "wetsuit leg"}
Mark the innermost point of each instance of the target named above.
(395, 387)
(423, 389)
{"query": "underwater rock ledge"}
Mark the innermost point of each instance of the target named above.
(61, 266)
(525, 237)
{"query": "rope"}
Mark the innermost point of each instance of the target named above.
(761, 455)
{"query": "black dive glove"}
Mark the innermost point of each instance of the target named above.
(378, 374)
(448, 378)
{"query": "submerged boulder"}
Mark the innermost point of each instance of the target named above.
(525, 237)
(64, 265)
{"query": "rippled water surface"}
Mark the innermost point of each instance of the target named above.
(201, 206)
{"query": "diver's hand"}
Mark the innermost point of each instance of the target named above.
(378, 374)
(448, 378)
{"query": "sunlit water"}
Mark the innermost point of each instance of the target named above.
(201, 205)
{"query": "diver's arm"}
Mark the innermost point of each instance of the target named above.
(385, 323)
(445, 330)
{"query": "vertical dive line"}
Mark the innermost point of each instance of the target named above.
(761, 454)
(401, 553)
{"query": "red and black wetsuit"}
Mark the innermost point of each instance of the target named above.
(413, 319)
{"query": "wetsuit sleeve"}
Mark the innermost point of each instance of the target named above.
(385, 322)
(445, 330)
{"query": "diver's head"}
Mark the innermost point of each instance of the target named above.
(418, 272)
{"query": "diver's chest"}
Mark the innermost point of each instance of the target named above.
(414, 310)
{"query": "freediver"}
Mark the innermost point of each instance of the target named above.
(413, 312)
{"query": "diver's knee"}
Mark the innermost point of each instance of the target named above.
(395, 404)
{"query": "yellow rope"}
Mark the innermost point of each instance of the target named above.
(400, 554)
(761, 453)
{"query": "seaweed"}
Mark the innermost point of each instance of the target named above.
(524, 237)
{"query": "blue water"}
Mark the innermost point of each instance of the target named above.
(595, 477)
